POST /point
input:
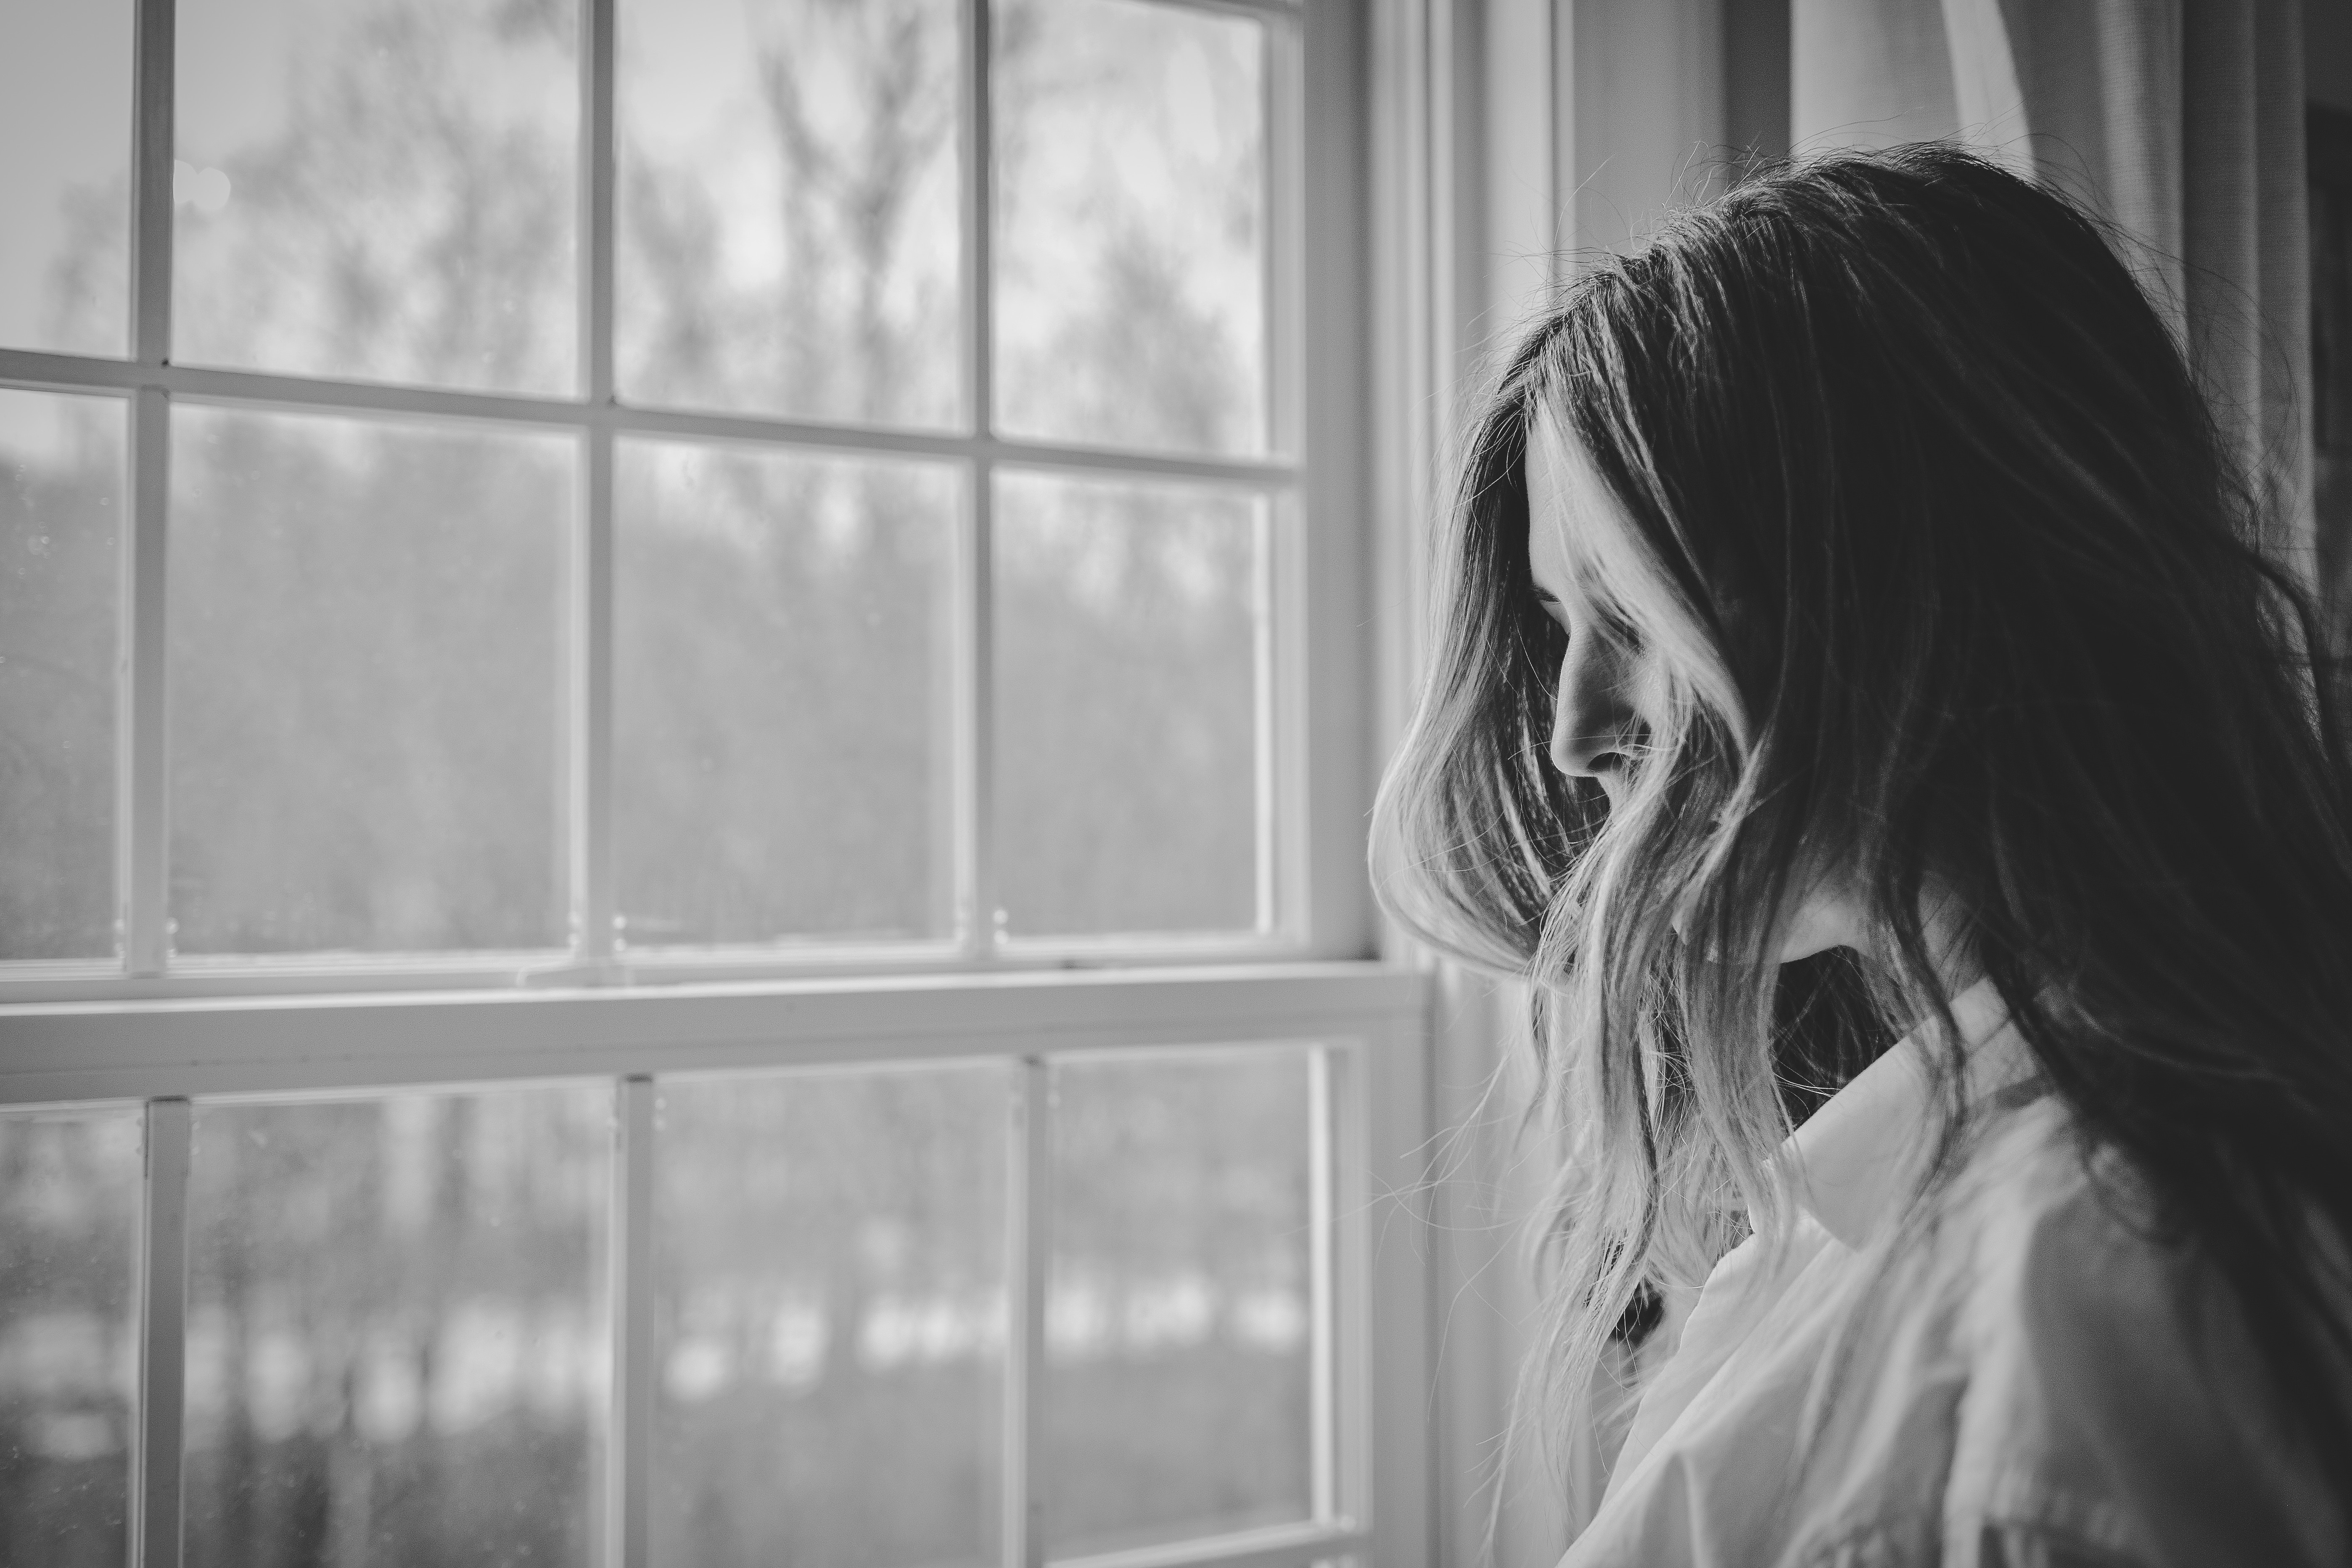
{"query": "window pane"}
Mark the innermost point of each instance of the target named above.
(68, 1333)
(364, 656)
(784, 766)
(830, 1319)
(382, 189)
(61, 472)
(1130, 261)
(1179, 1388)
(65, 186)
(397, 1351)
(1127, 629)
(788, 208)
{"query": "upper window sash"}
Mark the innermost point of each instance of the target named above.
(1310, 900)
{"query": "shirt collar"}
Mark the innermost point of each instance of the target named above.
(1860, 1152)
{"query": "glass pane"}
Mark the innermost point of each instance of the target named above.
(1131, 257)
(830, 1319)
(68, 1334)
(398, 1342)
(61, 472)
(1126, 636)
(784, 766)
(382, 189)
(1177, 1329)
(789, 209)
(65, 186)
(364, 677)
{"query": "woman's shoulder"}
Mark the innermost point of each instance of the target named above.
(2113, 1397)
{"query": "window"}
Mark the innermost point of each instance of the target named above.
(679, 730)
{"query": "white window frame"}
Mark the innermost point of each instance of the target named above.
(160, 1033)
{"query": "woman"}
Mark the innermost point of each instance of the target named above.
(1854, 628)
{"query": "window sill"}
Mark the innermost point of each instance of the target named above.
(132, 1046)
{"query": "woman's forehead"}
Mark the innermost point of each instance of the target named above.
(1570, 511)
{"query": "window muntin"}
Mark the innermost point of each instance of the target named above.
(352, 324)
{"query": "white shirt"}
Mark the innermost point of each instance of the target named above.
(2029, 1389)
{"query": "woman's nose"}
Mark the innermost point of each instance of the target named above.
(1592, 715)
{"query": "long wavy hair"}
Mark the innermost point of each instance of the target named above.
(1957, 592)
